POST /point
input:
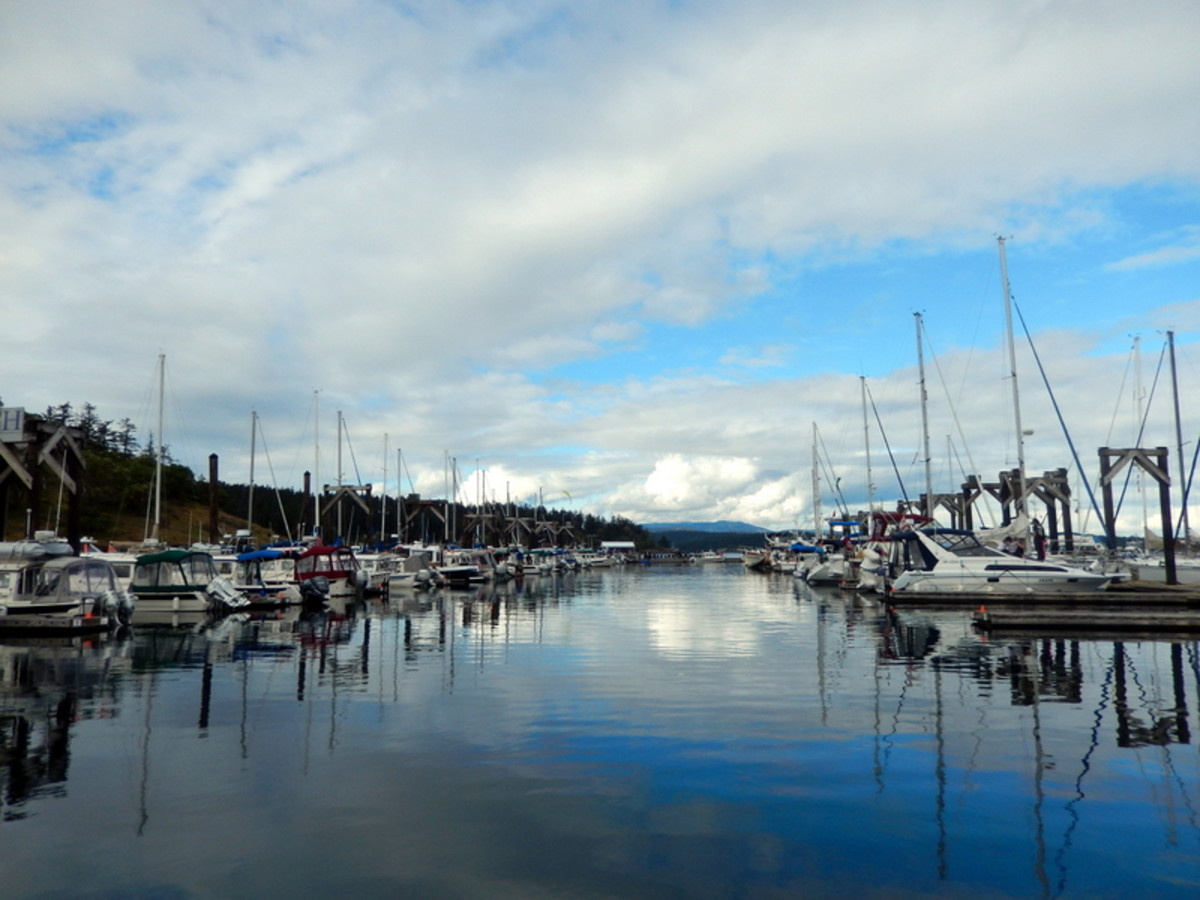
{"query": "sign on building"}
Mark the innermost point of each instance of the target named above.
(12, 424)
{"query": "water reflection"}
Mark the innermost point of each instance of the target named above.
(46, 684)
(689, 733)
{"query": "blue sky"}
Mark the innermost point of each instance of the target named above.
(628, 250)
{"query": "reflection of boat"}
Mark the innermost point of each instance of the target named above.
(175, 581)
(47, 683)
(72, 593)
(953, 561)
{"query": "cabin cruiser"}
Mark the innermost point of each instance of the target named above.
(330, 570)
(183, 581)
(954, 561)
(68, 587)
(267, 576)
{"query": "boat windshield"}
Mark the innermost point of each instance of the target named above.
(91, 577)
(194, 569)
(961, 543)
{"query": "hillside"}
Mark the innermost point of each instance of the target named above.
(719, 527)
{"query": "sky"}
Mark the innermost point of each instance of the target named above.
(633, 258)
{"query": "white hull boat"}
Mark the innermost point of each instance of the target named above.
(952, 561)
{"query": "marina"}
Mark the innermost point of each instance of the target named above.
(635, 731)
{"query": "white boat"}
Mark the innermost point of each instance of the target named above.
(67, 588)
(954, 561)
(334, 571)
(182, 581)
(267, 577)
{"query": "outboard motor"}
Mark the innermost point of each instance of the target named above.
(314, 591)
(117, 605)
(222, 593)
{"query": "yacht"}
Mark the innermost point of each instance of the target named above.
(954, 561)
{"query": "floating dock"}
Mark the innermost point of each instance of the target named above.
(52, 625)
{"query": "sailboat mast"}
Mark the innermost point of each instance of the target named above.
(340, 532)
(250, 502)
(1186, 536)
(383, 492)
(928, 510)
(862, 380)
(1022, 509)
(316, 482)
(816, 489)
(158, 456)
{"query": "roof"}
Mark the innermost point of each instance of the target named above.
(170, 556)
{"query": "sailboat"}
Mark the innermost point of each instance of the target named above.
(177, 581)
(954, 561)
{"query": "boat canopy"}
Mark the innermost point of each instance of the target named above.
(332, 562)
(260, 555)
(174, 568)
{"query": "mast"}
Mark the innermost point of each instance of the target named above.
(383, 492)
(316, 482)
(816, 490)
(1179, 446)
(340, 532)
(158, 456)
(1139, 412)
(1022, 509)
(867, 442)
(924, 420)
(250, 502)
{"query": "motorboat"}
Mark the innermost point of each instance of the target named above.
(955, 561)
(67, 591)
(267, 576)
(183, 581)
(331, 570)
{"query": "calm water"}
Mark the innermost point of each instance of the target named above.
(648, 732)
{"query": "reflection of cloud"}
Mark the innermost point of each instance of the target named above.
(676, 631)
(687, 629)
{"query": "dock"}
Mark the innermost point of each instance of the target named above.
(1151, 610)
(52, 625)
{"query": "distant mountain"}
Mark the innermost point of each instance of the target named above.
(722, 527)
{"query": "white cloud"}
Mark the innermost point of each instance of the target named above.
(423, 215)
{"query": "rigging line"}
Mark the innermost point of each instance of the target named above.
(1187, 489)
(1112, 423)
(1129, 471)
(946, 390)
(274, 481)
(1058, 412)
(887, 445)
(836, 482)
(353, 460)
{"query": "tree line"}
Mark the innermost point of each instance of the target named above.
(119, 481)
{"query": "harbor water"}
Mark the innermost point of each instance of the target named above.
(645, 732)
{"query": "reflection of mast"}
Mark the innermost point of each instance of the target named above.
(1039, 791)
(144, 787)
(940, 770)
(821, 662)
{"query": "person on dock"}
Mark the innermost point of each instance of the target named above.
(1039, 538)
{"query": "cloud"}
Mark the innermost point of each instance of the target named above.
(1186, 250)
(543, 234)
